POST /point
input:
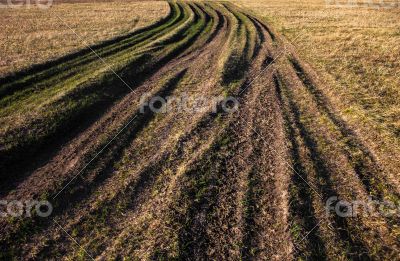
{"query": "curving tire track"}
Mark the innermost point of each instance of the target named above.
(208, 185)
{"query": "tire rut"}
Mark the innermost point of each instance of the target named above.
(124, 181)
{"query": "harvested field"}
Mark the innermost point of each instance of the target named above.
(246, 180)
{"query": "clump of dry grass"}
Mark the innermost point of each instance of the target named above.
(33, 35)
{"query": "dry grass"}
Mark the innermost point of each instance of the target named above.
(30, 36)
(356, 54)
(210, 185)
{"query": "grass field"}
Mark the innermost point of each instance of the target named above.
(49, 33)
(301, 164)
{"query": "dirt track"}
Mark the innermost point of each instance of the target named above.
(248, 184)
